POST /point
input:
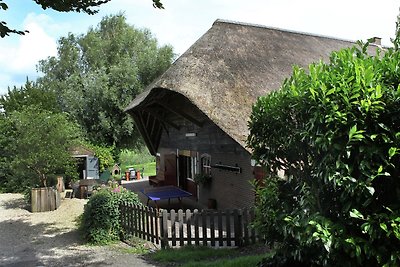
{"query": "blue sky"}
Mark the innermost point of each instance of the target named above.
(182, 22)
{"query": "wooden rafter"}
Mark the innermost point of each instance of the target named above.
(162, 119)
(158, 136)
(180, 113)
(138, 117)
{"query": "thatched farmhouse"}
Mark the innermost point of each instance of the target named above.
(194, 117)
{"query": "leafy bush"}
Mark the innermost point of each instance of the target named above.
(35, 146)
(335, 132)
(100, 222)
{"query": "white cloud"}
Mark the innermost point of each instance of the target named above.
(34, 46)
(20, 54)
(5, 81)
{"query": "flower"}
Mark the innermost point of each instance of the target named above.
(116, 190)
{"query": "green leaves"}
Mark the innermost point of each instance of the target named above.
(355, 135)
(335, 131)
(100, 222)
(3, 5)
(158, 4)
(43, 141)
(356, 214)
(393, 151)
(97, 74)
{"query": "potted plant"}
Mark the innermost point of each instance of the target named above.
(203, 179)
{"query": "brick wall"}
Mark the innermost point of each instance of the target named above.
(229, 188)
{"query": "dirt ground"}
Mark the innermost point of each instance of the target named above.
(51, 238)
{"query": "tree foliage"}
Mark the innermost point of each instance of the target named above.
(28, 117)
(335, 132)
(6, 155)
(97, 74)
(42, 144)
(86, 6)
(396, 40)
(31, 94)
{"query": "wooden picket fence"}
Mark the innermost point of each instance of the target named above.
(207, 227)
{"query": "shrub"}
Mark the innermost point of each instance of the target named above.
(100, 222)
(335, 132)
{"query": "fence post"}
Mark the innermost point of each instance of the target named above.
(228, 228)
(152, 218)
(121, 216)
(245, 226)
(220, 230)
(204, 227)
(134, 218)
(156, 225)
(164, 229)
(212, 228)
(173, 228)
(237, 221)
(196, 227)
(188, 215)
(180, 220)
(143, 223)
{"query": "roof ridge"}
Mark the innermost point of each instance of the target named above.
(285, 30)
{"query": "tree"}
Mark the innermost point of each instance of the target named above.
(31, 94)
(396, 40)
(85, 6)
(96, 75)
(6, 144)
(41, 146)
(335, 132)
(27, 97)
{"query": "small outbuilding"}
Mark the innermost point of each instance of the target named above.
(88, 164)
(194, 117)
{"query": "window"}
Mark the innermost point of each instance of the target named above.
(205, 164)
(187, 167)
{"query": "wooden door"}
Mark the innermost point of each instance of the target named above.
(170, 170)
(185, 174)
(92, 165)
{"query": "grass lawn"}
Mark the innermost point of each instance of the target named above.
(149, 168)
(205, 256)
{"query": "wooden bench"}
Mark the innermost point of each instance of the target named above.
(156, 181)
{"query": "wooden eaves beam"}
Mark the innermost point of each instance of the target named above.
(138, 117)
(182, 114)
(162, 119)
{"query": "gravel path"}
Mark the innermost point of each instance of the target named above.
(51, 239)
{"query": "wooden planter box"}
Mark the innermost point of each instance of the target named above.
(44, 199)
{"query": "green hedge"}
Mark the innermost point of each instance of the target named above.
(100, 222)
(335, 131)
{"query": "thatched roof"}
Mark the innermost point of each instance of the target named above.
(229, 67)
